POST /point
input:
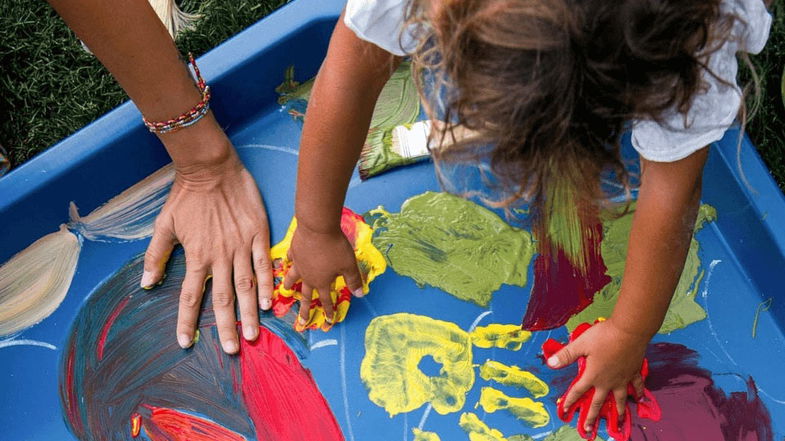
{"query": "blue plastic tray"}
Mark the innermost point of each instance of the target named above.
(743, 252)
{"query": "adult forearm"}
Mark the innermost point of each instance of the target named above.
(336, 125)
(130, 40)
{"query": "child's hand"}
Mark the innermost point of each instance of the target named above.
(317, 259)
(613, 360)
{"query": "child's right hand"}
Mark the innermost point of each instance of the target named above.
(318, 258)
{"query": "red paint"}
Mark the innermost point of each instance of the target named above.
(72, 405)
(280, 394)
(172, 425)
(693, 408)
(99, 350)
(349, 221)
(647, 407)
(562, 289)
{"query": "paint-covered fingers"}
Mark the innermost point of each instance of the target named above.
(223, 306)
(597, 401)
(263, 270)
(291, 277)
(620, 397)
(245, 286)
(325, 298)
(305, 305)
(637, 386)
(158, 252)
(567, 356)
(354, 281)
(576, 392)
(191, 294)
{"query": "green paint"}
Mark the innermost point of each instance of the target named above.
(762, 307)
(398, 104)
(683, 310)
(448, 242)
(565, 229)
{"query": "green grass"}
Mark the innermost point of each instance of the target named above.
(50, 87)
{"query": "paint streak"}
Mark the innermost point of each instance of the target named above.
(278, 391)
(510, 337)
(144, 368)
(369, 259)
(420, 435)
(762, 307)
(445, 241)
(525, 409)
(693, 407)
(477, 429)
(34, 282)
(618, 428)
(99, 350)
(398, 105)
(683, 309)
(394, 347)
(136, 425)
(514, 376)
(173, 425)
(563, 288)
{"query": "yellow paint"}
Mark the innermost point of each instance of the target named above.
(420, 435)
(477, 429)
(496, 335)
(513, 376)
(368, 258)
(525, 409)
(394, 346)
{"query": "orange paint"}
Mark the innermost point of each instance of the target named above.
(136, 424)
(172, 425)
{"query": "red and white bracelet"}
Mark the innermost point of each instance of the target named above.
(191, 116)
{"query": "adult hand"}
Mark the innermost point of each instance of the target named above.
(318, 259)
(215, 211)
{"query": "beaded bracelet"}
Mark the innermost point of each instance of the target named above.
(190, 117)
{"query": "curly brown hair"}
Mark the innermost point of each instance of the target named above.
(550, 85)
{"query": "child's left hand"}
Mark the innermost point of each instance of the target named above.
(613, 360)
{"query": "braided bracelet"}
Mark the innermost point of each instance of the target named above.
(190, 117)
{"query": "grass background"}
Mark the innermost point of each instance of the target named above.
(50, 87)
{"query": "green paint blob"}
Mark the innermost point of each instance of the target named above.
(683, 310)
(448, 242)
(565, 433)
(398, 105)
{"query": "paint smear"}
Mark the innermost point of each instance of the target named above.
(448, 242)
(271, 371)
(398, 105)
(34, 282)
(693, 407)
(173, 425)
(563, 288)
(420, 435)
(513, 376)
(478, 430)
(683, 309)
(394, 347)
(369, 260)
(510, 337)
(525, 409)
(205, 392)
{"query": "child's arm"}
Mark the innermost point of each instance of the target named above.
(662, 226)
(336, 125)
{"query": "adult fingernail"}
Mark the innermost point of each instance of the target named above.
(553, 362)
(266, 303)
(147, 280)
(358, 292)
(250, 332)
(185, 341)
(230, 346)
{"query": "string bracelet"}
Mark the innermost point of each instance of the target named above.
(190, 117)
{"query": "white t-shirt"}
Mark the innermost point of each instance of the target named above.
(676, 137)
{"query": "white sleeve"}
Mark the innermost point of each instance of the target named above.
(381, 22)
(715, 109)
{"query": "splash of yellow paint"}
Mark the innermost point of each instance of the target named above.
(510, 337)
(525, 409)
(420, 435)
(477, 429)
(394, 346)
(514, 376)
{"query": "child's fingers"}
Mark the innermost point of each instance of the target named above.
(262, 267)
(354, 281)
(637, 385)
(597, 402)
(327, 303)
(292, 276)
(158, 252)
(620, 396)
(305, 305)
(576, 392)
(245, 285)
